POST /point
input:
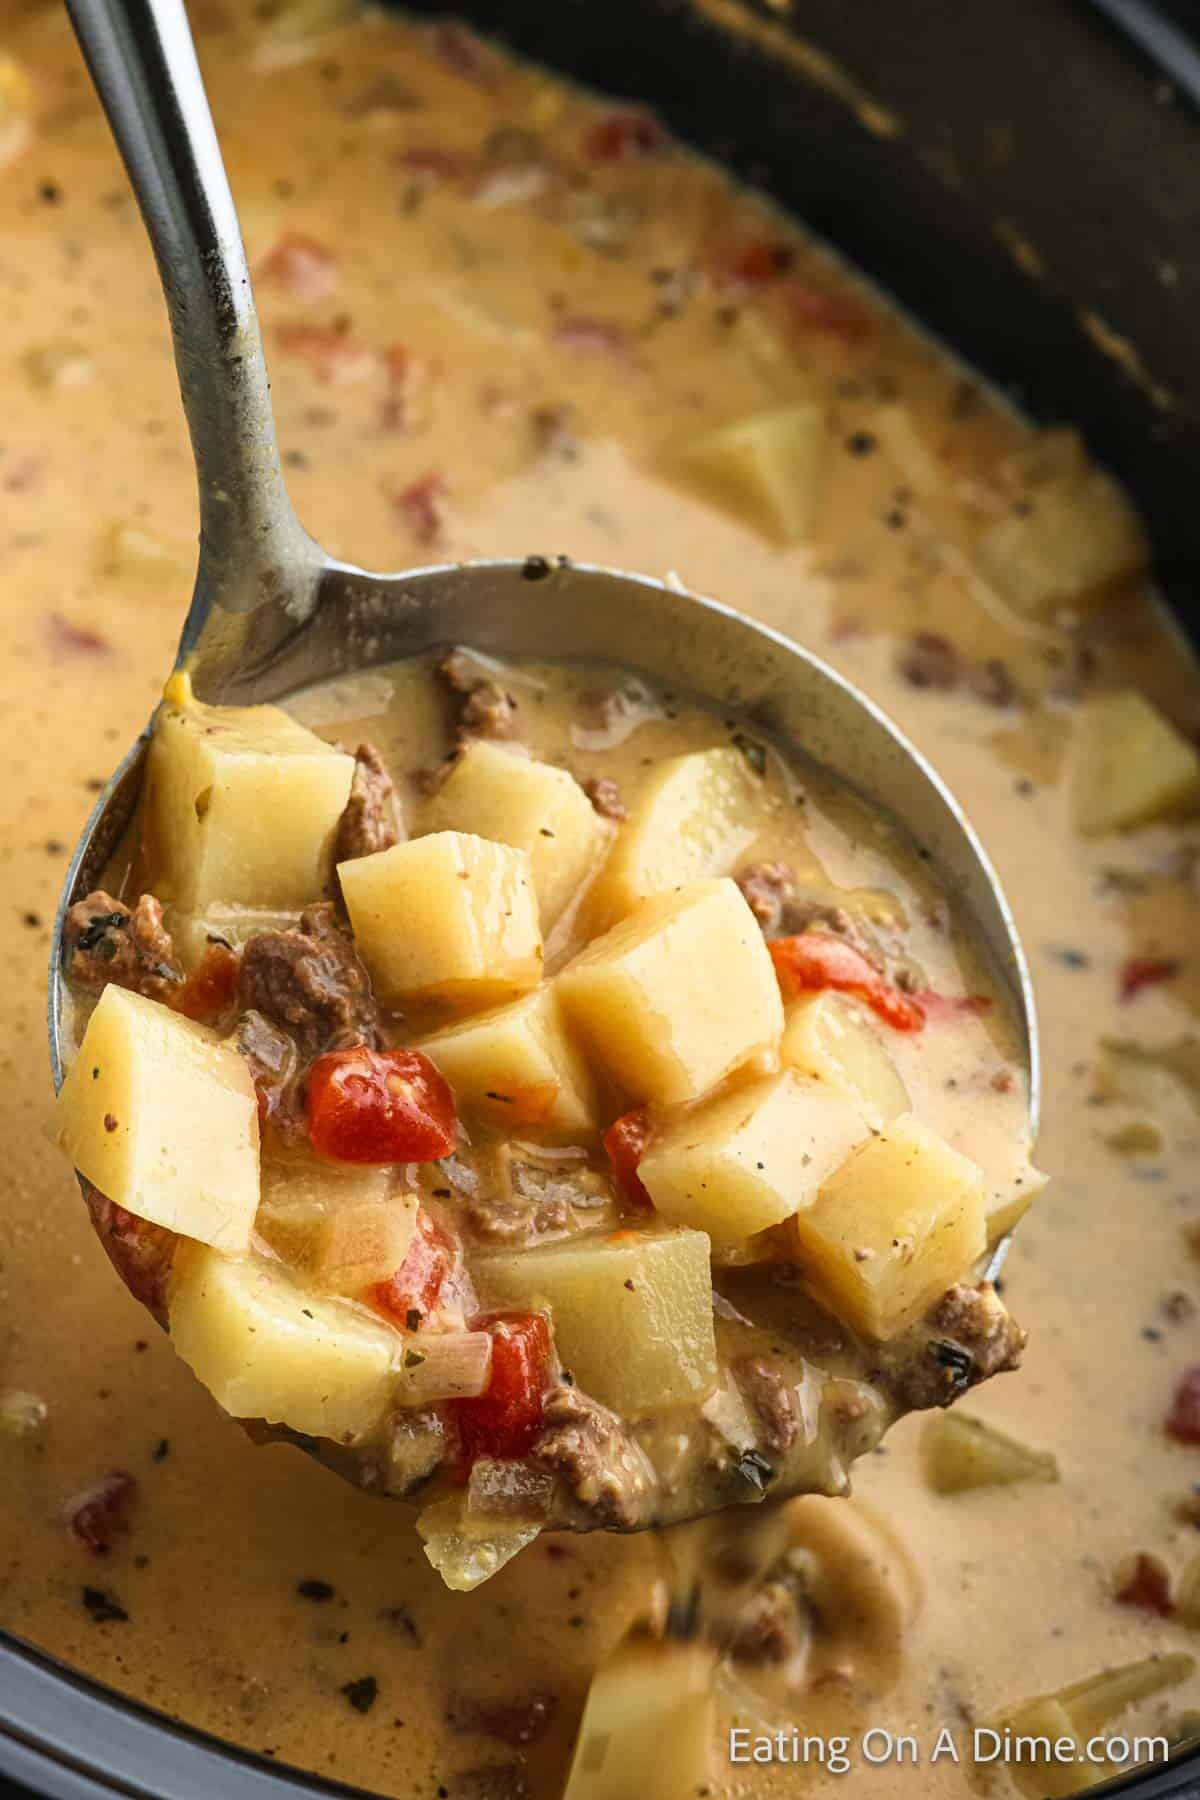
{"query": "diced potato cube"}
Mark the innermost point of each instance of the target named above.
(267, 1348)
(692, 820)
(1131, 766)
(898, 1224)
(1007, 1201)
(516, 1066)
(631, 1311)
(677, 995)
(647, 1722)
(961, 1452)
(767, 468)
(510, 798)
(1187, 1596)
(338, 1224)
(830, 1037)
(1099, 1699)
(749, 1159)
(241, 806)
(161, 1116)
(1052, 1765)
(445, 917)
(1074, 539)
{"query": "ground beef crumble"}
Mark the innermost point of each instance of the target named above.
(588, 1448)
(783, 908)
(140, 1252)
(371, 818)
(974, 1339)
(769, 1399)
(484, 709)
(310, 981)
(770, 1628)
(106, 942)
(605, 796)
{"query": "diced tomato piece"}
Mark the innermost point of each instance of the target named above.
(434, 162)
(625, 1144)
(210, 988)
(70, 639)
(1139, 972)
(623, 135)
(1183, 1420)
(300, 266)
(379, 1106)
(331, 353)
(415, 1290)
(506, 1421)
(525, 1102)
(752, 262)
(1146, 1584)
(835, 315)
(421, 504)
(812, 961)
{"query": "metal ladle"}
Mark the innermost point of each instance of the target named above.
(272, 613)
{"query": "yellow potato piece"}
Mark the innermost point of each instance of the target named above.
(161, 1116)
(339, 1225)
(529, 805)
(1131, 766)
(750, 1159)
(693, 819)
(445, 917)
(767, 467)
(517, 1066)
(830, 1037)
(241, 807)
(960, 1452)
(1075, 537)
(647, 1724)
(267, 1348)
(631, 1311)
(676, 996)
(899, 1223)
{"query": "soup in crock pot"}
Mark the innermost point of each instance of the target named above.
(507, 318)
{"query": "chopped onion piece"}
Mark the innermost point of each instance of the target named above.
(445, 1365)
(508, 1490)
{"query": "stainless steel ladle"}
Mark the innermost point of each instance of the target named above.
(271, 612)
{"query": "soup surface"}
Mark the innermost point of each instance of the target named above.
(503, 318)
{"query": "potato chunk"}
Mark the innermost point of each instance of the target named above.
(1075, 537)
(767, 467)
(1131, 766)
(960, 1452)
(631, 1310)
(241, 807)
(693, 819)
(829, 1037)
(510, 798)
(267, 1348)
(161, 1116)
(445, 917)
(899, 1223)
(647, 1723)
(338, 1224)
(516, 1066)
(751, 1158)
(677, 995)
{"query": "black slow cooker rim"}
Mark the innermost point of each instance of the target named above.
(66, 1736)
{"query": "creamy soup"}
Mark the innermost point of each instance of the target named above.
(503, 317)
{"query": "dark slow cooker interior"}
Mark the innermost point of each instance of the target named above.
(1071, 125)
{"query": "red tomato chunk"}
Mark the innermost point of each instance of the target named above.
(506, 1421)
(1183, 1420)
(415, 1290)
(379, 1106)
(812, 961)
(625, 1145)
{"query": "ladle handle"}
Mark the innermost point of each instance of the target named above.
(143, 62)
